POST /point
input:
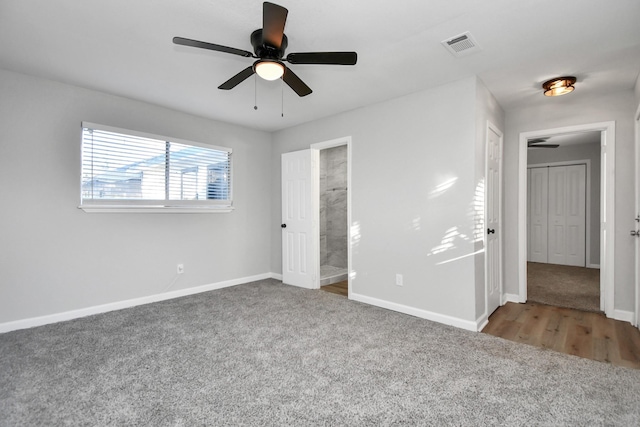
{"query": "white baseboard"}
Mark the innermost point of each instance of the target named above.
(423, 314)
(593, 266)
(276, 276)
(511, 298)
(482, 322)
(119, 305)
(625, 316)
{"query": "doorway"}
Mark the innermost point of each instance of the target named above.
(561, 205)
(301, 224)
(333, 215)
(605, 140)
(332, 202)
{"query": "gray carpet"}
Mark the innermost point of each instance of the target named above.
(269, 354)
(564, 286)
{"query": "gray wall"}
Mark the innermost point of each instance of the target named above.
(573, 110)
(590, 151)
(334, 240)
(55, 257)
(403, 150)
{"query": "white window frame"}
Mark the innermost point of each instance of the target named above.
(158, 206)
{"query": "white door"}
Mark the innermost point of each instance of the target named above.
(297, 220)
(538, 192)
(493, 219)
(567, 214)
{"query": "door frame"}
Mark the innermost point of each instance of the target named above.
(607, 207)
(587, 221)
(637, 224)
(315, 205)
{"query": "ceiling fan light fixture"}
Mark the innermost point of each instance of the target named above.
(559, 86)
(269, 70)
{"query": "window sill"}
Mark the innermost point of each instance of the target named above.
(154, 209)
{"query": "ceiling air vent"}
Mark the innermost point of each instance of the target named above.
(461, 45)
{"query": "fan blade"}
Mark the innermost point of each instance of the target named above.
(211, 46)
(295, 83)
(537, 140)
(543, 145)
(273, 20)
(332, 58)
(237, 79)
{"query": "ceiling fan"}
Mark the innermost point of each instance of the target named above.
(537, 143)
(269, 44)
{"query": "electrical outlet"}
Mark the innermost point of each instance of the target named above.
(398, 279)
(180, 269)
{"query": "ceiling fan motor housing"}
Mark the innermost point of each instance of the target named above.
(264, 50)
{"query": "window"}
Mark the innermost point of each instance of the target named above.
(128, 170)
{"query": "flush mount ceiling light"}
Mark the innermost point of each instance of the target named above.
(559, 86)
(269, 70)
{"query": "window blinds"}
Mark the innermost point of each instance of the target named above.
(130, 168)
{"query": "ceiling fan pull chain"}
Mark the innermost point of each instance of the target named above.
(255, 93)
(282, 99)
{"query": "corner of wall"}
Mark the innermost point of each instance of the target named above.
(637, 90)
(487, 110)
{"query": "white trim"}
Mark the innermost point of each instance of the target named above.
(587, 222)
(622, 315)
(276, 276)
(119, 305)
(315, 215)
(512, 298)
(412, 311)
(482, 322)
(593, 266)
(315, 148)
(154, 209)
(637, 192)
(607, 207)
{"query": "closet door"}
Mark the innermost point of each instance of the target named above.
(538, 193)
(575, 216)
(566, 220)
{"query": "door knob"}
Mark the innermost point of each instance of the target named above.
(283, 225)
(635, 233)
(491, 231)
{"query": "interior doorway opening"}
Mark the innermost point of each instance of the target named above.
(332, 210)
(333, 226)
(599, 249)
(563, 217)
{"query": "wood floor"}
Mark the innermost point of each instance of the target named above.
(581, 333)
(339, 288)
(585, 334)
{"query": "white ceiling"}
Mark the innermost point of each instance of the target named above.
(124, 47)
